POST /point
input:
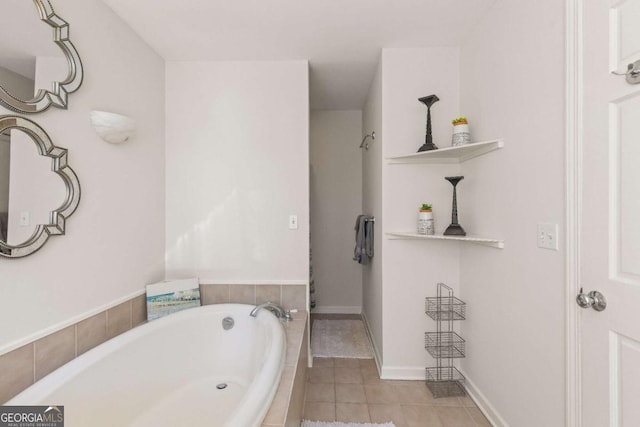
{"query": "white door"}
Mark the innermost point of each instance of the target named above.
(610, 209)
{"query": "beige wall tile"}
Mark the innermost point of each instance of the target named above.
(350, 393)
(138, 310)
(118, 319)
(294, 296)
(242, 294)
(278, 410)
(17, 372)
(54, 351)
(91, 332)
(320, 411)
(268, 293)
(352, 412)
(214, 294)
(296, 405)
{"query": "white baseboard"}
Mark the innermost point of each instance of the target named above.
(337, 309)
(483, 403)
(376, 354)
(410, 373)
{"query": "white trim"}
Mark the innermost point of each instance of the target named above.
(409, 373)
(66, 323)
(376, 354)
(483, 403)
(337, 309)
(303, 282)
(574, 33)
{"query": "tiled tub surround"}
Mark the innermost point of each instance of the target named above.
(287, 406)
(25, 365)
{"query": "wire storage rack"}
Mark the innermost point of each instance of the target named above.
(444, 345)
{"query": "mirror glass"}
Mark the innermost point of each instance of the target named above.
(29, 190)
(36, 58)
(38, 188)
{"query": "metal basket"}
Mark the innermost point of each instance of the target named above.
(445, 308)
(445, 381)
(444, 345)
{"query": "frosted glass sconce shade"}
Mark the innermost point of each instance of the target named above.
(113, 128)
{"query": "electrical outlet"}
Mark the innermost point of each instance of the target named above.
(548, 236)
(293, 222)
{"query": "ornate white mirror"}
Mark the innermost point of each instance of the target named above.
(39, 66)
(34, 202)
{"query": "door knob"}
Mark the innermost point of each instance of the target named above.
(593, 299)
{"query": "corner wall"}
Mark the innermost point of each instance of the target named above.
(115, 240)
(336, 201)
(372, 205)
(412, 269)
(512, 76)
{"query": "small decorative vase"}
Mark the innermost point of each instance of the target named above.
(425, 222)
(461, 135)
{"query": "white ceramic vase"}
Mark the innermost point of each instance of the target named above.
(425, 223)
(461, 135)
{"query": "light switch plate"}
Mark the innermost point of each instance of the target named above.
(293, 222)
(548, 236)
(25, 219)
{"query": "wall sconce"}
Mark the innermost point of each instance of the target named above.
(113, 128)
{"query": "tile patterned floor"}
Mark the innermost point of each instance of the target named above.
(350, 390)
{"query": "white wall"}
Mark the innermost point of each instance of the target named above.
(412, 269)
(115, 240)
(512, 74)
(372, 205)
(336, 200)
(237, 166)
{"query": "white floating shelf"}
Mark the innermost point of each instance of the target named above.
(458, 154)
(471, 239)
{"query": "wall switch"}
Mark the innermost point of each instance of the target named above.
(293, 222)
(548, 236)
(25, 219)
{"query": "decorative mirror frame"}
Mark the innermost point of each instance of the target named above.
(59, 165)
(58, 96)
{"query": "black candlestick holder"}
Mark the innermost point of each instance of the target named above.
(428, 139)
(454, 229)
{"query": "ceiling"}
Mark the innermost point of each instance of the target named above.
(342, 39)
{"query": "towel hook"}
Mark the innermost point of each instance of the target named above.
(372, 135)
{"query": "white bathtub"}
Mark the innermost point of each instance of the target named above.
(165, 373)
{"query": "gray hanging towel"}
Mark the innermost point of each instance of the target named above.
(364, 239)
